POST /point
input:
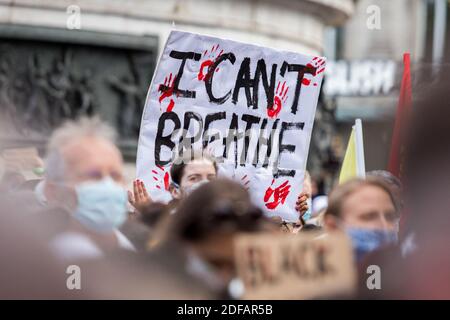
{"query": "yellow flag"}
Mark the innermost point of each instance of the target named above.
(349, 167)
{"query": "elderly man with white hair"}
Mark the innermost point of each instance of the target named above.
(84, 177)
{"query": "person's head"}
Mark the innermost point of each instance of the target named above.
(362, 203)
(393, 182)
(84, 173)
(190, 172)
(366, 210)
(209, 218)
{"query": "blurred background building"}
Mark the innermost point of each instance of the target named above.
(65, 58)
(364, 73)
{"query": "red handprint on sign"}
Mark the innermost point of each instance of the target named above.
(278, 101)
(317, 63)
(162, 178)
(206, 64)
(278, 194)
(166, 90)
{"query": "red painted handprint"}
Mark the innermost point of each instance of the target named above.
(317, 63)
(166, 90)
(206, 64)
(278, 101)
(162, 178)
(278, 194)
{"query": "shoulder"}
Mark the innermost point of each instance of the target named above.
(73, 246)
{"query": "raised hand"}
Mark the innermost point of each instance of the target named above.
(139, 198)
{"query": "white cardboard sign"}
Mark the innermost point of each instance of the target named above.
(251, 107)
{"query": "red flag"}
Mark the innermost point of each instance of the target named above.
(403, 107)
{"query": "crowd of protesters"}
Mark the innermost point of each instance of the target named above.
(130, 246)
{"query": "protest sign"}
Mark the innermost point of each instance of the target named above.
(302, 266)
(252, 108)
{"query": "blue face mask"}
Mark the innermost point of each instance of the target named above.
(368, 240)
(101, 205)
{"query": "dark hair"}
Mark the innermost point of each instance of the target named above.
(341, 192)
(178, 166)
(219, 206)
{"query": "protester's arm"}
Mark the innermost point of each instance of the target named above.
(139, 198)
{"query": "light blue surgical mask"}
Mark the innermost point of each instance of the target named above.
(101, 205)
(368, 240)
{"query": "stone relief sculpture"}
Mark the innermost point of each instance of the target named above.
(59, 86)
(36, 113)
(52, 85)
(129, 92)
(132, 99)
(83, 95)
(5, 88)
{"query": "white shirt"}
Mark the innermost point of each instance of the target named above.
(72, 245)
